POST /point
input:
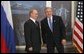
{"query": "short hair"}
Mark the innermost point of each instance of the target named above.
(47, 8)
(31, 10)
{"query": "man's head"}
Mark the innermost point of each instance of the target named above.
(33, 13)
(48, 11)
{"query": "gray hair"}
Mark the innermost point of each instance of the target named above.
(47, 8)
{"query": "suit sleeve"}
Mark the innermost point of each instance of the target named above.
(62, 28)
(27, 33)
(43, 33)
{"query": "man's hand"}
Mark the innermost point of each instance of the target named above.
(64, 42)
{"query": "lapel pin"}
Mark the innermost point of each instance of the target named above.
(54, 21)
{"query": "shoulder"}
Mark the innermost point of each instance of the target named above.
(43, 20)
(55, 16)
(27, 22)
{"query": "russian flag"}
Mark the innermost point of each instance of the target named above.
(7, 30)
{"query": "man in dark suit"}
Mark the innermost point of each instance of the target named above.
(53, 32)
(32, 32)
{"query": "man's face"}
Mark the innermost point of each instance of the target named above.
(48, 12)
(34, 14)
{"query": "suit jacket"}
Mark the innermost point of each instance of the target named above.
(32, 34)
(58, 30)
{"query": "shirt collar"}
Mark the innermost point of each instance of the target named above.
(50, 18)
(32, 19)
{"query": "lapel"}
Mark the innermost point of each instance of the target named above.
(54, 22)
(46, 23)
(33, 23)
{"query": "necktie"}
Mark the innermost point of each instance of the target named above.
(36, 23)
(50, 22)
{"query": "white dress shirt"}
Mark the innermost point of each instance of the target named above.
(51, 20)
(32, 19)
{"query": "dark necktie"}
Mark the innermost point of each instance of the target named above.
(36, 23)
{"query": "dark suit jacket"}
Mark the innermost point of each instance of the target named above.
(58, 30)
(32, 34)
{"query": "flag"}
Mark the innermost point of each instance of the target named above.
(7, 30)
(78, 28)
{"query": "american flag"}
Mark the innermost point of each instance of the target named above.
(78, 28)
